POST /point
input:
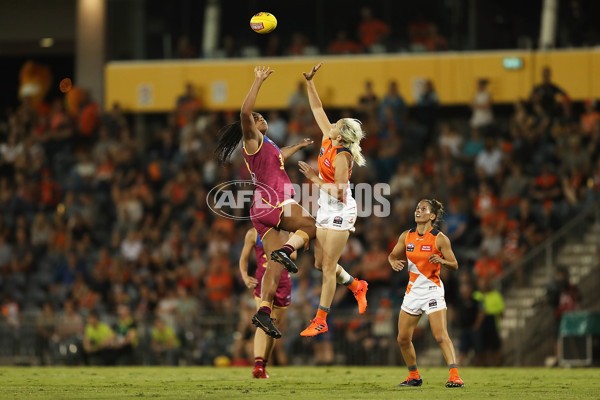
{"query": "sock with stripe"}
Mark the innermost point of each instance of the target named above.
(265, 309)
(288, 249)
(322, 312)
(413, 372)
(453, 370)
(259, 362)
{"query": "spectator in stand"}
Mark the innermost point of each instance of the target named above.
(368, 101)
(426, 109)
(274, 46)
(298, 44)
(546, 93)
(482, 106)
(343, 45)
(466, 316)
(487, 265)
(563, 296)
(371, 31)
(98, 341)
(229, 49)
(299, 99)
(488, 323)
(490, 159)
(393, 102)
(165, 343)
(590, 119)
(187, 105)
(126, 336)
(455, 221)
(451, 139)
(46, 330)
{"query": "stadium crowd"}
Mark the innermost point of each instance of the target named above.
(109, 252)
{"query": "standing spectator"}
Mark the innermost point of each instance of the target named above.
(371, 31)
(426, 109)
(546, 92)
(98, 341)
(487, 265)
(368, 101)
(589, 119)
(394, 102)
(490, 159)
(562, 296)
(466, 314)
(187, 105)
(343, 45)
(299, 99)
(46, 329)
(482, 106)
(165, 343)
(126, 337)
(488, 323)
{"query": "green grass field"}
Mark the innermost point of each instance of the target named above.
(293, 383)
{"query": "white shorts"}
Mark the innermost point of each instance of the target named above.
(339, 220)
(414, 305)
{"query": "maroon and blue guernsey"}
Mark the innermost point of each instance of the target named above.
(272, 186)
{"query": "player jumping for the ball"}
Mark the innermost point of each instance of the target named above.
(340, 149)
(273, 210)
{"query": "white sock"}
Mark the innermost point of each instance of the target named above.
(343, 278)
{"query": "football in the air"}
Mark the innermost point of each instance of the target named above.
(263, 22)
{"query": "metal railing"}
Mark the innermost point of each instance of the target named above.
(541, 258)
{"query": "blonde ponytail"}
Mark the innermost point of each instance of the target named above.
(352, 134)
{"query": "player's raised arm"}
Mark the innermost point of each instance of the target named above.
(249, 242)
(315, 102)
(249, 129)
(288, 151)
(398, 254)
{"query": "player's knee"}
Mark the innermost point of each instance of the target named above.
(404, 339)
(319, 265)
(441, 337)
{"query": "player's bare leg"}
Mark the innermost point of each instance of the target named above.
(264, 344)
(438, 324)
(297, 220)
(406, 326)
(331, 244)
(270, 281)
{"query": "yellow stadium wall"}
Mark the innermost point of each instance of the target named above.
(153, 86)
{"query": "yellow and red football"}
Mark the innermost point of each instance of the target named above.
(263, 22)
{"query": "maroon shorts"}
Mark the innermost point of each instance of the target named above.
(283, 294)
(265, 217)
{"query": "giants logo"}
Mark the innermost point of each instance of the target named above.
(338, 221)
(322, 151)
(432, 303)
(426, 247)
(410, 247)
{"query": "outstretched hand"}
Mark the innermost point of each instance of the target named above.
(262, 73)
(306, 142)
(312, 73)
(307, 170)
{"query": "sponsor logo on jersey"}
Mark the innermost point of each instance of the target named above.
(326, 162)
(338, 220)
(410, 247)
(432, 303)
(322, 151)
(425, 247)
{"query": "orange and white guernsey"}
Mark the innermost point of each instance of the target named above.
(327, 156)
(424, 277)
